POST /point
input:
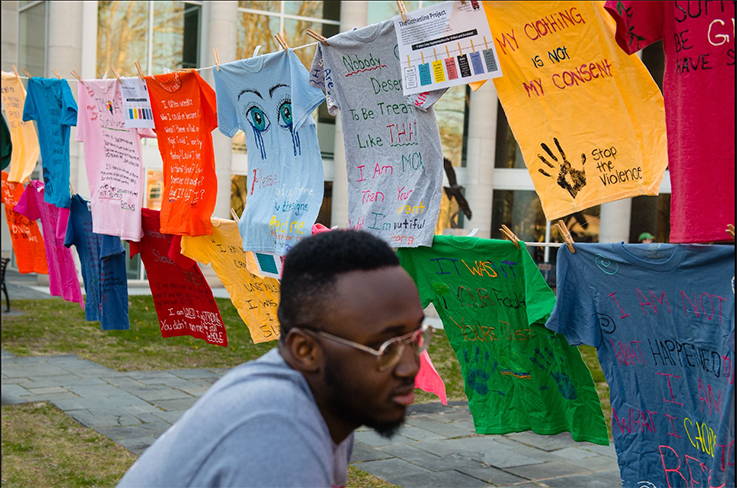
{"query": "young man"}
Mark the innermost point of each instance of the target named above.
(351, 334)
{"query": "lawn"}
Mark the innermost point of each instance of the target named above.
(53, 326)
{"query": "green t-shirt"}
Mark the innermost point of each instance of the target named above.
(518, 375)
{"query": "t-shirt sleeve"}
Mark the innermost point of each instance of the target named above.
(69, 105)
(425, 100)
(407, 260)
(208, 103)
(27, 205)
(62, 223)
(305, 97)
(574, 315)
(226, 106)
(29, 107)
(111, 246)
(175, 253)
(639, 23)
(136, 247)
(321, 77)
(539, 298)
(69, 235)
(195, 247)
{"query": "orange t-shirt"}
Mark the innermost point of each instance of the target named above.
(28, 245)
(185, 115)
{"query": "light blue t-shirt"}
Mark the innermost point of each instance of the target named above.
(269, 98)
(103, 268)
(258, 426)
(660, 316)
(50, 103)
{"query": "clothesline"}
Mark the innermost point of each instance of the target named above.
(204, 68)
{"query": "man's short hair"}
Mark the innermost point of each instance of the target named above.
(311, 269)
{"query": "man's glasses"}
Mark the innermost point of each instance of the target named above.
(391, 351)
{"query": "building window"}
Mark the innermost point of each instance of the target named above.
(32, 37)
(238, 193)
(650, 214)
(160, 35)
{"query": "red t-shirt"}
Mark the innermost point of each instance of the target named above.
(185, 114)
(28, 245)
(698, 87)
(183, 299)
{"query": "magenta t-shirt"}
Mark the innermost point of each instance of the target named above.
(63, 281)
(698, 87)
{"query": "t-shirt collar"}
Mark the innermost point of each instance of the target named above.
(673, 253)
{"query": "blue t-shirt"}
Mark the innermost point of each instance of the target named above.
(103, 268)
(660, 316)
(270, 99)
(50, 103)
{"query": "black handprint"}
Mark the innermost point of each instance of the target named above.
(565, 386)
(477, 377)
(578, 178)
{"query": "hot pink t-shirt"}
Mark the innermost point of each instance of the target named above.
(698, 87)
(112, 155)
(63, 281)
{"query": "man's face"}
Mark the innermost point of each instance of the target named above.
(371, 307)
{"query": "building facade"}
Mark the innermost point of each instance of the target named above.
(162, 36)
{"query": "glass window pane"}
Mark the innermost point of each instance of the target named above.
(238, 193)
(254, 30)
(650, 214)
(304, 9)
(294, 34)
(132, 265)
(521, 211)
(122, 36)
(331, 10)
(176, 35)
(508, 153)
(383, 10)
(154, 189)
(261, 5)
(450, 111)
(32, 30)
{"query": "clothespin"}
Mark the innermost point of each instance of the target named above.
(730, 230)
(234, 214)
(402, 10)
(423, 57)
(510, 235)
(447, 51)
(71, 188)
(460, 51)
(409, 65)
(473, 48)
(435, 53)
(317, 36)
(281, 41)
(140, 71)
(25, 72)
(566, 236)
(15, 71)
(216, 55)
(56, 73)
(487, 43)
(115, 72)
(76, 75)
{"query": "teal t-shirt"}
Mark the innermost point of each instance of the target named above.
(518, 375)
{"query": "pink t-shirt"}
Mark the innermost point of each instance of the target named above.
(698, 87)
(63, 281)
(112, 154)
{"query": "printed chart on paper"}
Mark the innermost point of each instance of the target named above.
(445, 45)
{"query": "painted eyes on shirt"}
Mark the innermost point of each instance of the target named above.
(258, 118)
(285, 114)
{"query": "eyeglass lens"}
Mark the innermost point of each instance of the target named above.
(395, 348)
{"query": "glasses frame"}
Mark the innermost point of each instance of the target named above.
(403, 340)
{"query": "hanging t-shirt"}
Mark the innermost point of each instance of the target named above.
(698, 85)
(256, 299)
(269, 98)
(103, 268)
(22, 134)
(659, 316)
(183, 299)
(112, 155)
(28, 245)
(589, 119)
(493, 302)
(51, 104)
(392, 144)
(184, 110)
(63, 281)
(6, 147)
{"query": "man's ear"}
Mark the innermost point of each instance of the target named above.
(304, 351)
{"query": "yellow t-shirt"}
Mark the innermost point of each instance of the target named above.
(22, 134)
(255, 298)
(588, 117)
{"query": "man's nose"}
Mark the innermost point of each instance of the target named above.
(408, 365)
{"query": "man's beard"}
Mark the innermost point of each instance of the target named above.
(342, 391)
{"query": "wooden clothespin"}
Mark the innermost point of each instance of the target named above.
(510, 235)
(216, 55)
(730, 230)
(115, 72)
(76, 75)
(71, 188)
(402, 10)
(473, 48)
(15, 71)
(487, 43)
(460, 51)
(566, 236)
(447, 51)
(234, 214)
(281, 41)
(422, 55)
(140, 71)
(409, 65)
(56, 73)
(317, 37)
(25, 72)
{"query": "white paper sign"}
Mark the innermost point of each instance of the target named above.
(136, 104)
(445, 45)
